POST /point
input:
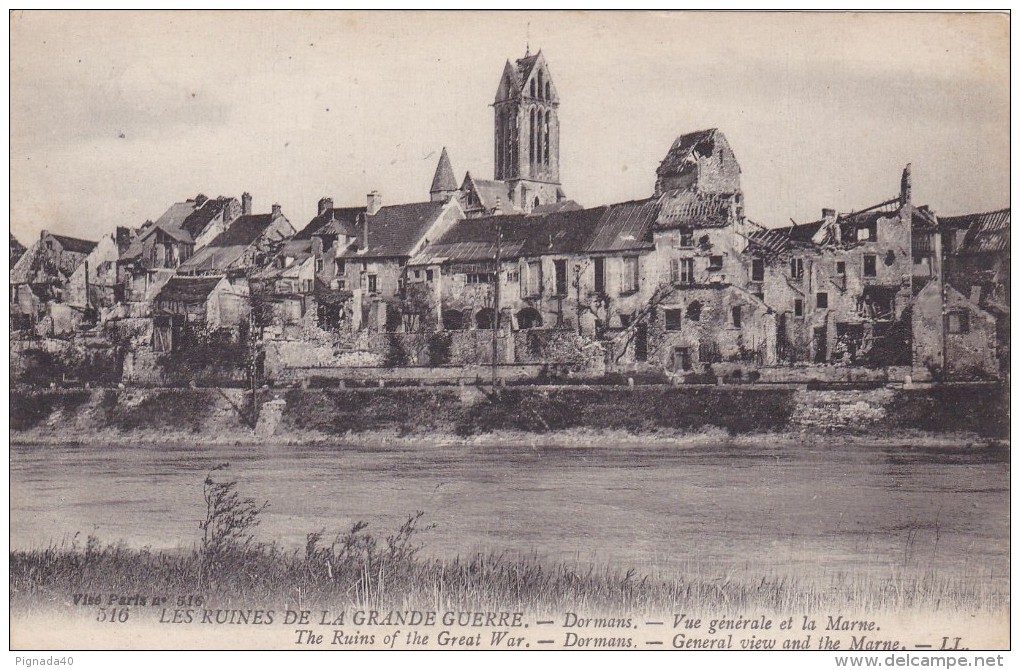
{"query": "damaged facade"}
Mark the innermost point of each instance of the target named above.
(508, 269)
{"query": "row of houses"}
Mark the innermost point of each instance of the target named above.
(680, 281)
(511, 271)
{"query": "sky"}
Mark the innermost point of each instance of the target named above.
(115, 115)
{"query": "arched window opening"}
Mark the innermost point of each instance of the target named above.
(548, 91)
(539, 132)
(694, 311)
(485, 318)
(537, 203)
(531, 137)
(548, 124)
(453, 319)
(528, 318)
(532, 88)
(500, 135)
(539, 83)
(511, 139)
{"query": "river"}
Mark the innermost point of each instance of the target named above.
(775, 505)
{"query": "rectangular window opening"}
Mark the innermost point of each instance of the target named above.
(561, 276)
(797, 268)
(630, 274)
(870, 265)
(673, 319)
(758, 269)
(600, 275)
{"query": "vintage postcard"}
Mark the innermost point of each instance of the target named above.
(510, 331)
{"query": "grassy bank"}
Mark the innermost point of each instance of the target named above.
(325, 576)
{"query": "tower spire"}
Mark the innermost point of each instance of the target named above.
(444, 184)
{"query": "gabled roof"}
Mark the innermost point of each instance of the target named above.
(987, 232)
(526, 65)
(394, 231)
(518, 74)
(245, 230)
(610, 228)
(299, 250)
(188, 289)
(772, 240)
(172, 221)
(685, 151)
(73, 244)
(558, 206)
(227, 247)
(444, 179)
(695, 209)
(777, 240)
(203, 213)
(36, 264)
(625, 226)
(25, 268)
(490, 192)
(346, 218)
(183, 221)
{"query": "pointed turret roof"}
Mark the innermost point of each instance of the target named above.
(444, 179)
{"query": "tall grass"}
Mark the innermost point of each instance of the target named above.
(359, 569)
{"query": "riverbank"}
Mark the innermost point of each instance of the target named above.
(566, 415)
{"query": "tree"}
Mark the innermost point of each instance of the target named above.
(416, 309)
(643, 315)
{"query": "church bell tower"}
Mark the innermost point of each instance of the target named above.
(527, 137)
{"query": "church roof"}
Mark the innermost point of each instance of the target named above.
(488, 192)
(444, 179)
(526, 65)
(621, 227)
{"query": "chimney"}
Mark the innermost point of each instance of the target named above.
(374, 202)
(43, 233)
(246, 204)
(325, 204)
(276, 211)
(906, 187)
(828, 214)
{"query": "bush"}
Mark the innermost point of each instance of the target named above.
(230, 520)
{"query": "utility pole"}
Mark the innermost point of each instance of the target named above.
(495, 318)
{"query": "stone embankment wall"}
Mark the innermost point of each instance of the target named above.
(432, 412)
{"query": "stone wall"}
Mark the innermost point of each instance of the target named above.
(840, 410)
(970, 353)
